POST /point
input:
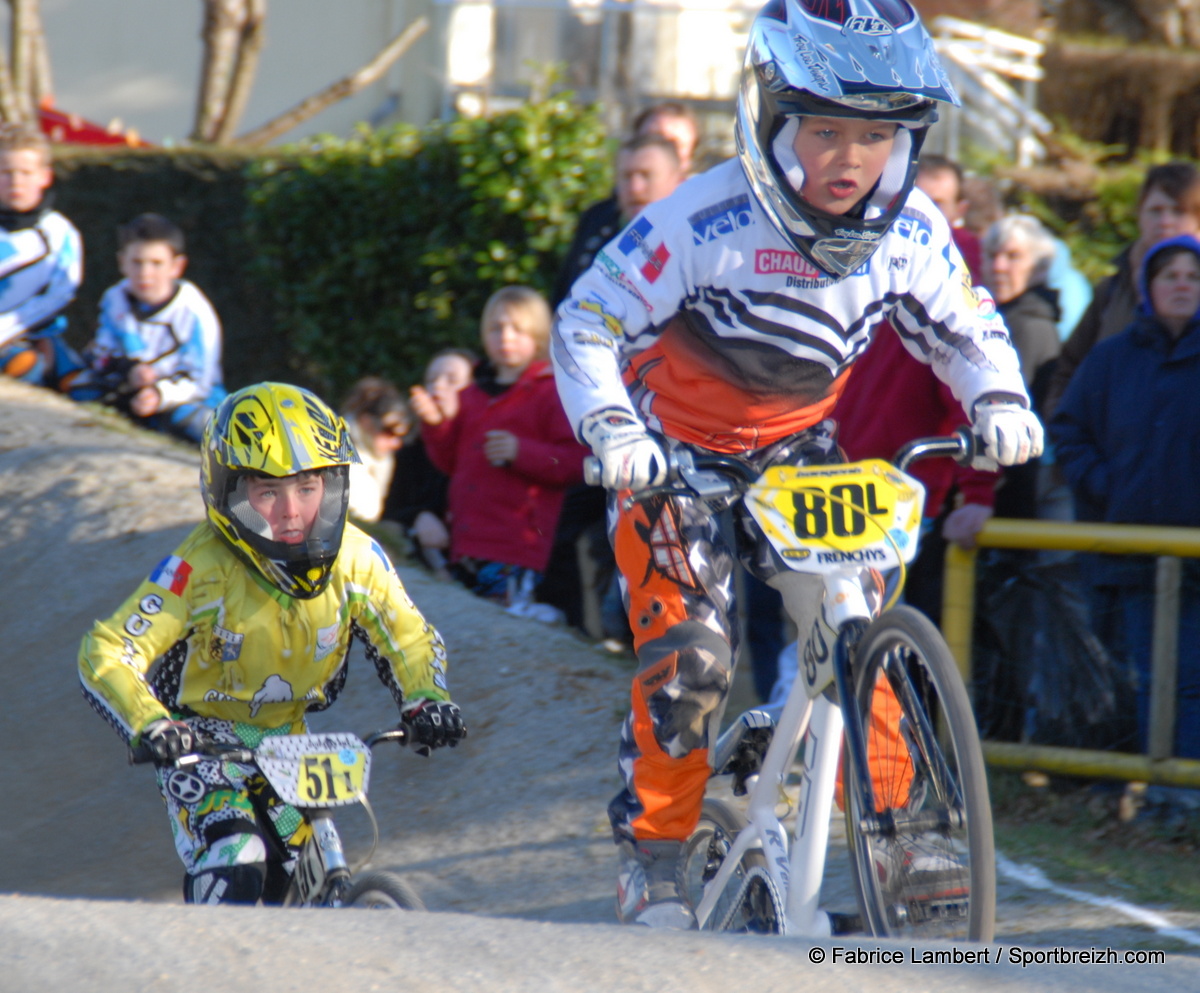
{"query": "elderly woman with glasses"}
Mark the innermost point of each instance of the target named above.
(1017, 253)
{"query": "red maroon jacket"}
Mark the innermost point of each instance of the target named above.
(507, 513)
(890, 399)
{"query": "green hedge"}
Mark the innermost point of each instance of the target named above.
(379, 249)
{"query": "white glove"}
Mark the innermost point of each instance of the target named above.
(629, 458)
(1010, 434)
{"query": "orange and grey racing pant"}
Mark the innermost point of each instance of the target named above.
(677, 559)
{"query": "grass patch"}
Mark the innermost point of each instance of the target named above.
(1075, 833)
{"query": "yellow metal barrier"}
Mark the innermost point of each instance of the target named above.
(1168, 544)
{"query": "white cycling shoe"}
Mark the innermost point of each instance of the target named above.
(648, 891)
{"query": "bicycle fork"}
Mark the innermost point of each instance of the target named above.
(822, 743)
(321, 865)
(796, 870)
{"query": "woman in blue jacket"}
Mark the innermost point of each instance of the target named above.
(1128, 439)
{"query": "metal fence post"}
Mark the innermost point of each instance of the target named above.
(1164, 657)
(958, 606)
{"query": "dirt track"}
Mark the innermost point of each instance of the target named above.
(510, 824)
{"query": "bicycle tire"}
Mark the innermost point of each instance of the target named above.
(916, 880)
(382, 891)
(749, 904)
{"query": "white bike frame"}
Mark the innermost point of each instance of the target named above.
(809, 716)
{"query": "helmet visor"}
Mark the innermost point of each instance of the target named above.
(285, 521)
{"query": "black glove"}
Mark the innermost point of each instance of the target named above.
(167, 739)
(432, 724)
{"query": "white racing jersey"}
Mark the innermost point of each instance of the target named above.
(41, 267)
(704, 321)
(181, 340)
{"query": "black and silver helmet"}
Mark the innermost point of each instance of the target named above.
(866, 59)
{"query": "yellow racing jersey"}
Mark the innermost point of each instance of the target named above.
(205, 634)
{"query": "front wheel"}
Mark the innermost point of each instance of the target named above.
(919, 827)
(382, 891)
(749, 903)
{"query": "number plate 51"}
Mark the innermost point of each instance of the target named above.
(316, 770)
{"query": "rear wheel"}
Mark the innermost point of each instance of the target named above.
(382, 891)
(920, 829)
(749, 903)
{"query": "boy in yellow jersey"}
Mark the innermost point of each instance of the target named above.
(246, 627)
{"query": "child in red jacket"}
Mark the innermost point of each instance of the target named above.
(508, 449)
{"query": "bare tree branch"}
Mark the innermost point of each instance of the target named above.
(41, 80)
(244, 71)
(340, 90)
(221, 33)
(8, 101)
(25, 20)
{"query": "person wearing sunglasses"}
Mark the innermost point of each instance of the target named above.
(378, 419)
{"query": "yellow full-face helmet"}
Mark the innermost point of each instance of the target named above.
(275, 430)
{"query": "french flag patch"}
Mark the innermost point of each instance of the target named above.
(171, 574)
(635, 243)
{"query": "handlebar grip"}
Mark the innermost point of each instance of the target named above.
(399, 735)
(971, 444)
(140, 754)
(593, 470)
(143, 754)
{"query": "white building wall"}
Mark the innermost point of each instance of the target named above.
(139, 60)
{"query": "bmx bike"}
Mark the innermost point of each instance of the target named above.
(315, 773)
(877, 695)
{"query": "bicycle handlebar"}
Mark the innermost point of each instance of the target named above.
(142, 754)
(713, 475)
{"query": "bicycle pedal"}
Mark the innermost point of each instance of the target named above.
(845, 923)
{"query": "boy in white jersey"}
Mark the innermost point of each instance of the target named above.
(41, 263)
(726, 318)
(157, 351)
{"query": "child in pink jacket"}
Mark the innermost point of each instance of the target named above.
(508, 449)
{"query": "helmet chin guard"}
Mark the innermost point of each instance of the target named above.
(859, 59)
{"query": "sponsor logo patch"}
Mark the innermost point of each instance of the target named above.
(914, 226)
(594, 307)
(636, 244)
(813, 62)
(327, 639)
(616, 275)
(226, 645)
(151, 603)
(383, 556)
(769, 261)
(171, 574)
(863, 555)
(137, 625)
(872, 27)
(726, 217)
